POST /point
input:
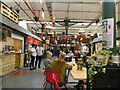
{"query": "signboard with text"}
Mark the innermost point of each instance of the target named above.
(108, 32)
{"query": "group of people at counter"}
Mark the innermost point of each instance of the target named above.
(38, 55)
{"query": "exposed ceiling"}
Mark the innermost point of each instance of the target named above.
(81, 13)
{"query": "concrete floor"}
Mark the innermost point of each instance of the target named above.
(0, 83)
(26, 79)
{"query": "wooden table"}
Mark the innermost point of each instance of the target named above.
(79, 75)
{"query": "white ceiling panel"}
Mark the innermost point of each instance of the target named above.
(78, 10)
(60, 14)
(90, 15)
(75, 7)
(23, 16)
(93, 8)
(74, 0)
(82, 16)
(60, 6)
(36, 5)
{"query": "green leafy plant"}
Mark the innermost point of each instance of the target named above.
(81, 63)
(96, 65)
(104, 52)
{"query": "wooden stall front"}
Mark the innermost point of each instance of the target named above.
(7, 64)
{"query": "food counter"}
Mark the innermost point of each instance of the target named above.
(19, 60)
(0, 66)
(7, 64)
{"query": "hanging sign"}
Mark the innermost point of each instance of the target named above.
(30, 40)
(108, 32)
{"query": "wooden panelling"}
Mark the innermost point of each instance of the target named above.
(19, 60)
(0, 66)
(7, 64)
(3, 35)
(17, 44)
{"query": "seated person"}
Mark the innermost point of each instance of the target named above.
(84, 58)
(71, 55)
(61, 65)
(76, 55)
(47, 60)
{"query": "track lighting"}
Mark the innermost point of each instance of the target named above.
(97, 21)
(17, 11)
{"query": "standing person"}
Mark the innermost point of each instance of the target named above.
(40, 51)
(33, 56)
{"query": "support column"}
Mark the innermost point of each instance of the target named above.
(66, 28)
(118, 17)
(119, 12)
(109, 11)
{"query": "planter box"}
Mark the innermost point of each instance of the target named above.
(110, 79)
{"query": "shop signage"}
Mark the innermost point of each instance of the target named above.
(108, 32)
(6, 11)
(30, 40)
(36, 42)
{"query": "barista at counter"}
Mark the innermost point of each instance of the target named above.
(33, 56)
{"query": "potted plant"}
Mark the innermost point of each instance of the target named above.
(96, 63)
(95, 67)
(80, 64)
(116, 56)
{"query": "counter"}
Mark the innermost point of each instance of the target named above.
(19, 60)
(0, 66)
(7, 64)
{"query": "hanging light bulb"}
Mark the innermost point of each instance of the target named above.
(42, 13)
(41, 1)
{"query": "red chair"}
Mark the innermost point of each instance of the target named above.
(53, 78)
(57, 87)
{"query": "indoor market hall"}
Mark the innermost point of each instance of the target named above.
(59, 44)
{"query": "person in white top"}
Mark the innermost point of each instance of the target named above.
(33, 56)
(40, 51)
